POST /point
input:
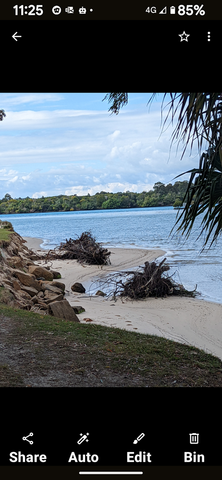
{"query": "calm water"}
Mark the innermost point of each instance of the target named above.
(146, 228)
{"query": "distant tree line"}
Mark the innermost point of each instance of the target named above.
(161, 196)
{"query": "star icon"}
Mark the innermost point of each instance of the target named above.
(184, 36)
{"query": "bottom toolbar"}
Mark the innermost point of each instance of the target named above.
(129, 429)
(86, 449)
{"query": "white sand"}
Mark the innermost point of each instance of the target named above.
(34, 243)
(185, 320)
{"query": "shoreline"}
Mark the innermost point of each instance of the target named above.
(33, 243)
(185, 320)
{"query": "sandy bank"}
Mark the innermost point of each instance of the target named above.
(33, 243)
(185, 320)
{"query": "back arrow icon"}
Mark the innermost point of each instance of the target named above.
(16, 36)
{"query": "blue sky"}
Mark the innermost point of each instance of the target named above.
(68, 143)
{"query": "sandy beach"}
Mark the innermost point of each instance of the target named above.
(186, 320)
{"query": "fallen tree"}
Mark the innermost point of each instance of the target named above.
(84, 249)
(150, 281)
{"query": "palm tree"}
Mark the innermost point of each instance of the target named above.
(199, 119)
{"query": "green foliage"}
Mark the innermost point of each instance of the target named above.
(204, 195)
(161, 195)
(177, 203)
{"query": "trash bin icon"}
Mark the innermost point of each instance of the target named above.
(194, 438)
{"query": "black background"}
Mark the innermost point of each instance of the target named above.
(109, 56)
(113, 418)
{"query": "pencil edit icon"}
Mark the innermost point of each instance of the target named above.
(139, 438)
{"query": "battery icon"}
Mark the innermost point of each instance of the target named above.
(172, 10)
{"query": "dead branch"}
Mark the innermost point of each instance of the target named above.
(150, 281)
(84, 249)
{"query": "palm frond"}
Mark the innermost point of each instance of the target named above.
(118, 100)
(198, 116)
(2, 114)
(203, 196)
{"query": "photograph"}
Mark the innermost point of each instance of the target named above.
(110, 239)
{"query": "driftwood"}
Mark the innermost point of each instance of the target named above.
(84, 249)
(150, 281)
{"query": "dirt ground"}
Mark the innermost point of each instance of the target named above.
(43, 361)
(42, 351)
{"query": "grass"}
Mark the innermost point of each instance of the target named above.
(6, 230)
(44, 346)
(4, 235)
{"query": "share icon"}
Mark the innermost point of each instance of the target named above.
(27, 438)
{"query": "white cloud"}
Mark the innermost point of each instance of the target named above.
(114, 135)
(113, 187)
(51, 152)
(14, 179)
(30, 119)
(39, 194)
(26, 177)
(13, 99)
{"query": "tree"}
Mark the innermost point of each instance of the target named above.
(7, 197)
(199, 119)
(159, 188)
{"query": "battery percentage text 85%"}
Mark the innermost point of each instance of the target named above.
(191, 10)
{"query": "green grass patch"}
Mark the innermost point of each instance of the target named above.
(4, 236)
(6, 229)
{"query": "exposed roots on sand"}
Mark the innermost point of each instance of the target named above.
(149, 281)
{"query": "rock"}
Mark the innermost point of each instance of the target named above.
(52, 297)
(7, 297)
(30, 290)
(12, 249)
(56, 274)
(51, 288)
(16, 285)
(78, 287)
(63, 310)
(21, 287)
(100, 293)
(35, 299)
(39, 271)
(8, 282)
(27, 279)
(78, 309)
(40, 294)
(42, 306)
(23, 299)
(16, 262)
(23, 294)
(58, 285)
(39, 302)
